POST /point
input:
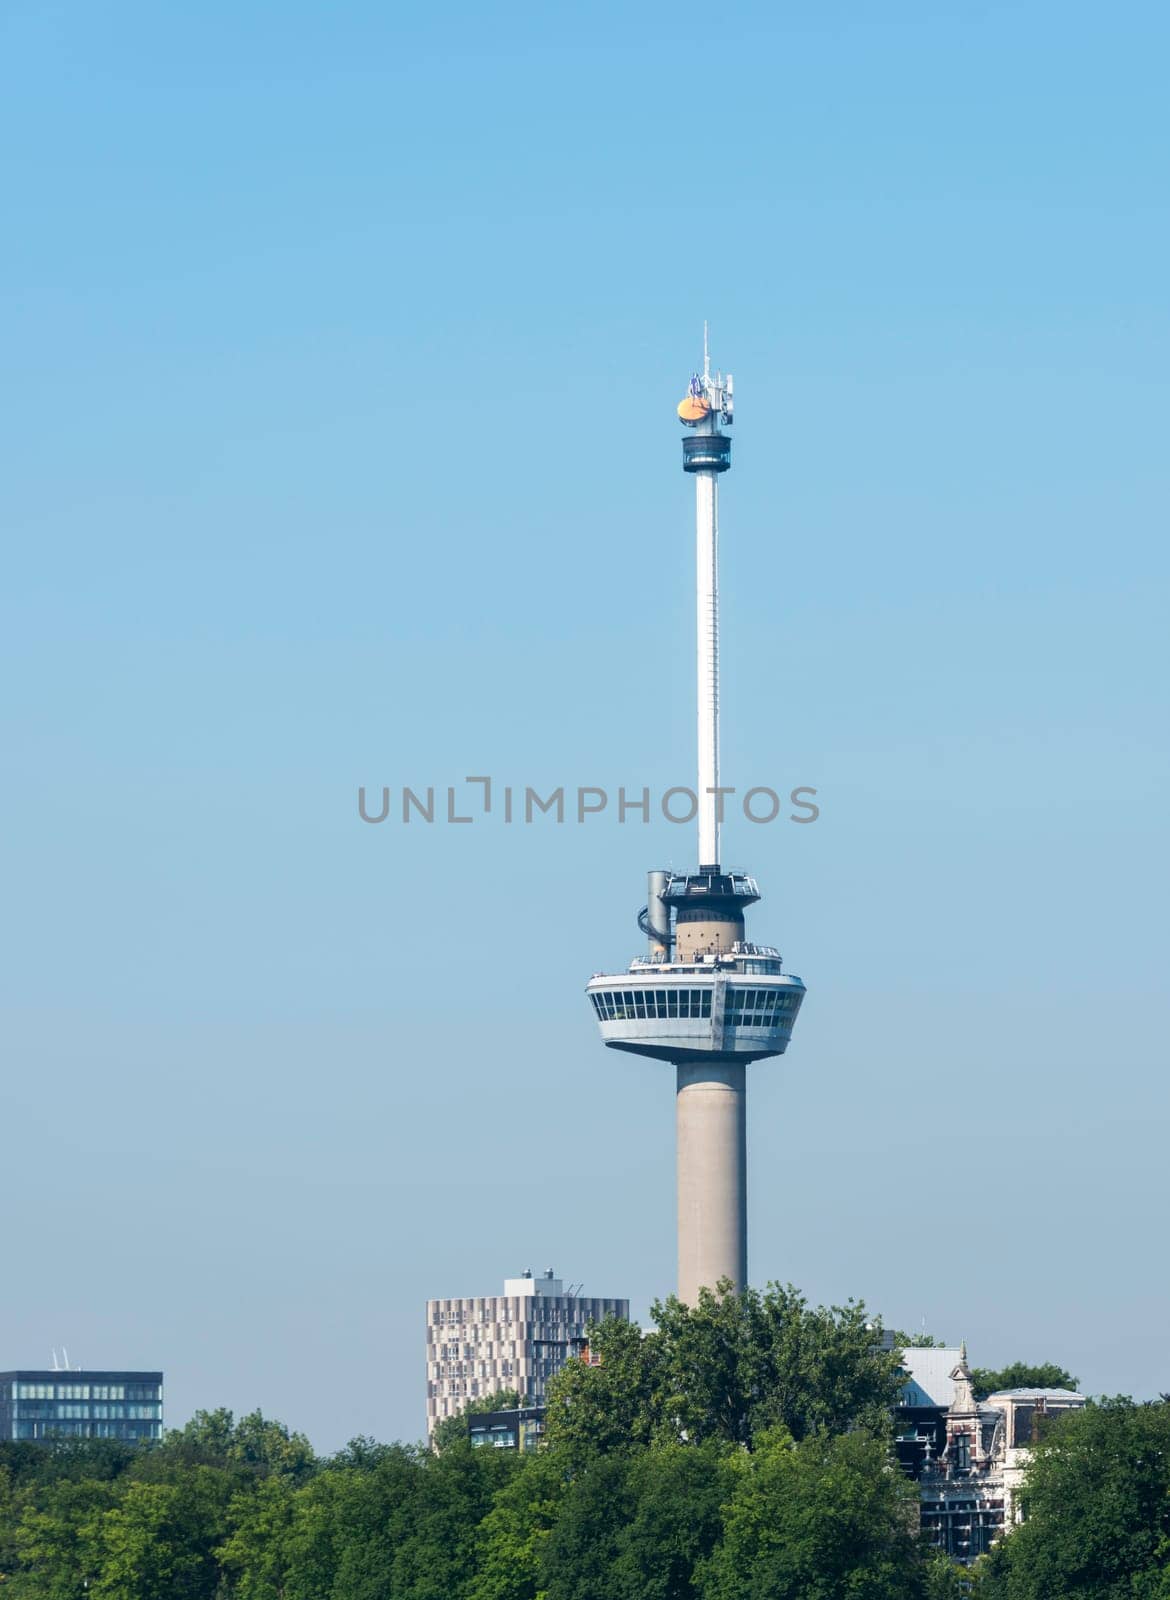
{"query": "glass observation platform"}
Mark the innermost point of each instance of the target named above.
(737, 1003)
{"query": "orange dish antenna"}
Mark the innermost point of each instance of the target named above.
(693, 409)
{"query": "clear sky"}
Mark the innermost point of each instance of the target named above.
(342, 346)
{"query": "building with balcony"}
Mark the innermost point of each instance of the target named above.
(516, 1340)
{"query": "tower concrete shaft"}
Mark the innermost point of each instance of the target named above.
(711, 1124)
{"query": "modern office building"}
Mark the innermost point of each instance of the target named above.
(702, 997)
(515, 1340)
(49, 1405)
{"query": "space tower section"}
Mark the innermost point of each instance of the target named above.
(703, 997)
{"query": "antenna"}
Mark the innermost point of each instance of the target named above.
(65, 1353)
(707, 600)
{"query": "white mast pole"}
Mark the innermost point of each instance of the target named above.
(707, 633)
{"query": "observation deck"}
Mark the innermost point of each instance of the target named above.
(709, 884)
(737, 1004)
(706, 452)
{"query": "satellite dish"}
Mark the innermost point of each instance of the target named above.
(693, 409)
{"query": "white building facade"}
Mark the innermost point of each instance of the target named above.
(970, 1492)
(516, 1340)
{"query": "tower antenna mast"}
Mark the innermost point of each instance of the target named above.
(711, 401)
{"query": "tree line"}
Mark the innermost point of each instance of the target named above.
(738, 1450)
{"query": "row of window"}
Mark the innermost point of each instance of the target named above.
(622, 1005)
(47, 1410)
(536, 1335)
(581, 1310)
(486, 1318)
(445, 1371)
(773, 1015)
(745, 1007)
(486, 1352)
(464, 1369)
(87, 1430)
(458, 1386)
(762, 999)
(86, 1391)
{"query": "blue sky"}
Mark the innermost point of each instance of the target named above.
(343, 344)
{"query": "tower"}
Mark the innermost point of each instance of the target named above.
(703, 997)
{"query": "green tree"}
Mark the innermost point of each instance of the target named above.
(215, 1438)
(818, 1520)
(723, 1370)
(75, 1460)
(258, 1553)
(634, 1525)
(677, 1493)
(514, 1534)
(57, 1540)
(1020, 1375)
(8, 1556)
(437, 1557)
(945, 1579)
(1097, 1504)
(736, 1364)
(609, 1403)
(584, 1543)
(160, 1540)
(312, 1543)
(353, 1526)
